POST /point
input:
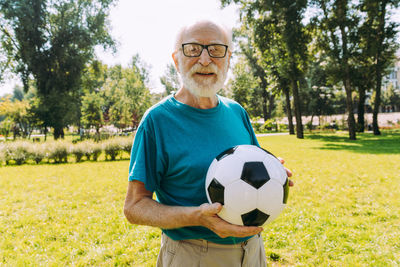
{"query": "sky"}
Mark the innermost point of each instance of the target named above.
(148, 28)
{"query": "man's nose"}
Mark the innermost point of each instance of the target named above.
(204, 58)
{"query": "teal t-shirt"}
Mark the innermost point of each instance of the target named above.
(173, 148)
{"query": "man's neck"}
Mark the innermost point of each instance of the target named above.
(185, 96)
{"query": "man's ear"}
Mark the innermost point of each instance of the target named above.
(229, 58)
(175, 58)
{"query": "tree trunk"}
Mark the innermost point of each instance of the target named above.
(271, 105)
(297, 109)
(349, 104)
(378, 68)
(289, 110)
(377, 103)
(58, 132)
(311, 122)
(361, 110)
(346, 71)
(264, 106)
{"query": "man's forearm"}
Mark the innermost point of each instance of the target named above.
(149, 212)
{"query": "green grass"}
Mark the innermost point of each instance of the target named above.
(342, 211)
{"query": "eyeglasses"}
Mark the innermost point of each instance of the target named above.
(195, 50)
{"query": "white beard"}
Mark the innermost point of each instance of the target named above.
(207, 88)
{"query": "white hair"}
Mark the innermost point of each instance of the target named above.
(226, 31)
(206, 89)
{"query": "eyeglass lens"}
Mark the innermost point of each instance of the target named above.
(194, 50)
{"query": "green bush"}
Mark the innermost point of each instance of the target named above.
(283, 127)
(37, 152)
(112, 148)
(78, 150)
(16, 151)
(92, 150)
(58, 151)
(256, 126)
(125, 144)
(267, 126)
(309, 125)
(2, 155)
(96, 150)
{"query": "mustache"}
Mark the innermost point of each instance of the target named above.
(211, 68)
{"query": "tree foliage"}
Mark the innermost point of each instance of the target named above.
(92, 113)
(379, 35)
(51, 42)
(170, 80)
(115, 95)
(245, 88)
(17, 117)
(336, 29)
(278, 25)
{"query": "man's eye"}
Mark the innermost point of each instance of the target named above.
(195, 48)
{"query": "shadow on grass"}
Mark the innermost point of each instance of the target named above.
(387, 143)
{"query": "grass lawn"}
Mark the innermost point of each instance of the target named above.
(342, 211)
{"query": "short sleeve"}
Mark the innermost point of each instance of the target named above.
(145, 162)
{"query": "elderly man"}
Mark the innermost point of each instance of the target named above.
(175, 143)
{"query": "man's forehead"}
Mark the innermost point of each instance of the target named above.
(202, 41)
(204, 32)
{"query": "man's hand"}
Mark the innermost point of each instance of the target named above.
(208, 218)
(288, 172)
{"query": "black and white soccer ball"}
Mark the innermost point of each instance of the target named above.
(250, 183)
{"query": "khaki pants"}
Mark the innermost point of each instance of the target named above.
(201, 253)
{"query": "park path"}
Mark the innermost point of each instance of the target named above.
(270, 134)
(384, 119)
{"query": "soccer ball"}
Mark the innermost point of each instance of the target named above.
(250, 183)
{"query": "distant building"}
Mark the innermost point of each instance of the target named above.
(392, 79)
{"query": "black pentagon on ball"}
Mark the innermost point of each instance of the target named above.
(216, 191)
(286, 191)
(226, 153)
(254, 218)
(255, 173)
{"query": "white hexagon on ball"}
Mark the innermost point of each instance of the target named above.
(270, 199)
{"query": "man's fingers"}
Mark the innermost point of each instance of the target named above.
(288, 172)
(216, 207)
(212, 209)
(225, 229)
(291, 183)
(281, 160)
(228, 229)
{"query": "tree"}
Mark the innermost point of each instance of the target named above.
(18, 93)
(170, 79)
(51, 42)
(363, 80)
(380, 35)
(126, 94)
(391, 97)
(283, 18)
(91, 110)
(320, 94)
(337, 23)
(245, 88)
(260, 91)
(260, 98)
(17, 119)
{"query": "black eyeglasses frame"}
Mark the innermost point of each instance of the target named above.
(204, 47)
